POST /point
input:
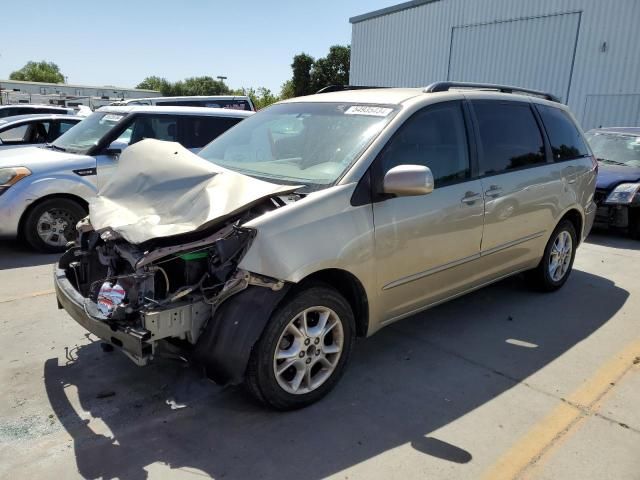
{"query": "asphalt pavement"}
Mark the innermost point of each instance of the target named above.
(501, 383)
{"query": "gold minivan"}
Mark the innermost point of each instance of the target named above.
(324, 218)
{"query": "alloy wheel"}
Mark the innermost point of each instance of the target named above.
(308, 350)
(560, 256)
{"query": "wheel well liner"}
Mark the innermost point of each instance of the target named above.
(224, 348)
(68, 196)
(351, 289)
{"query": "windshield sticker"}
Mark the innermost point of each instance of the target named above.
(112, 118)
(368, 110)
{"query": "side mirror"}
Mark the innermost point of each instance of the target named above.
(115, 148)
(408, 180)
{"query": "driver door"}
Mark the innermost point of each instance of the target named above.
(426, 245)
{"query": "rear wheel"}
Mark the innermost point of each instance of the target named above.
(51, 224)
(557, 262)
(303, 351)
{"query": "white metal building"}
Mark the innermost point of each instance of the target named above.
(587, 52)
(15, 91)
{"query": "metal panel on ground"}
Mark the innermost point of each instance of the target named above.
(535, 52)
(611, 111)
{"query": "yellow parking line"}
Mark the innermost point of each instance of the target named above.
(30, 295)
(538, 440)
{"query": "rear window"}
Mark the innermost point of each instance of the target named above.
(198, 131)
(565, 138)
(509, 136)
(231, 104)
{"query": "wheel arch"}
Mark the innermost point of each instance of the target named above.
(347, 285)
(577, 219)
(68, 196)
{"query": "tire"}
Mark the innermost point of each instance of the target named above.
(545, 277)
(64, 212)
(307, 352)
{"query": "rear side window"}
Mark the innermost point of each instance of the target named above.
(436, 138)
(509, 136)
(566, 141)
(231, 104)
(198, 131)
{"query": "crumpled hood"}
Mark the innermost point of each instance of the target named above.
(161, 189)
(610, 176)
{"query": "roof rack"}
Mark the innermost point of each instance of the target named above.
(343, 88)
(445, 86)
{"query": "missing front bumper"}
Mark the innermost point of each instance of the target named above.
(135, 343)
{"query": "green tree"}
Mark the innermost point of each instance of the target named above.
(287, 90)
(261, 97)
(301, 79)
(204, 86)
(332, 69)
(39, 72)
(156, 83)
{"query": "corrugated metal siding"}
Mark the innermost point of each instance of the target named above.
(611, 111)
(412, 47)
(515, 56)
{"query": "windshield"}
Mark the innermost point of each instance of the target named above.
(616, 149)
(310, 144)
(86, 134)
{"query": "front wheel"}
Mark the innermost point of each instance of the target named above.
(51, 224)
(557, 262)
(303, 351)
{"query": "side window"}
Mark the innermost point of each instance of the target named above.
(64, 126)
(15, 134)
(39, 132)
(198, 131)
(564, 136)
(160, 127)
(509, 136)
(436, 138)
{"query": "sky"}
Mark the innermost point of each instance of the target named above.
(120, 42)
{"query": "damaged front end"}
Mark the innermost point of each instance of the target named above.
(159, 298)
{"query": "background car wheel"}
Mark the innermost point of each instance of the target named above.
(557, 261)
(303, 350)
(51, 224)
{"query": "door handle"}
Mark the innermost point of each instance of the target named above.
(493, 192)
(471, 197)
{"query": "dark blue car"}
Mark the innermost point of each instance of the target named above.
(618, 185)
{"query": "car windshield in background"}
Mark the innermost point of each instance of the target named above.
(616, 149)
(309, 144)
(86, 134)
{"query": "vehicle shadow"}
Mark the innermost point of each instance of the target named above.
(405, 382)
(17, 254)
(612, 238)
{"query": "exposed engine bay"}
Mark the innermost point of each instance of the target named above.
(161, 291)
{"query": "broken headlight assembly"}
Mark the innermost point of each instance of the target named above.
(624, 194)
